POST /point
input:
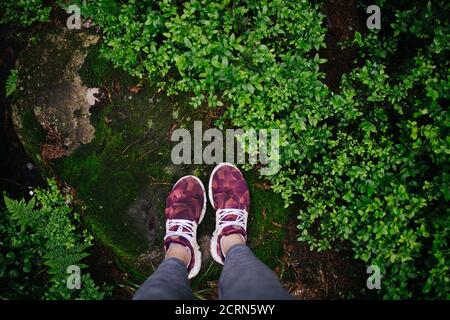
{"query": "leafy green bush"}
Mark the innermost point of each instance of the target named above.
(24, 12)
(254, 54)
(382, 181)
(42, 236)
(376, 172)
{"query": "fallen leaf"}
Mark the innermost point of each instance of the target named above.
(172, 127)
(265, 185)
(135, 89)
(108, 94)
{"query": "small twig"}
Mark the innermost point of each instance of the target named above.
(144, 154)
(157, 182)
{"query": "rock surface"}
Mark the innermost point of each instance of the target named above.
(61, 102)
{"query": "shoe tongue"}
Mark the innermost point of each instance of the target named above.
(232, 229)
(176, 226)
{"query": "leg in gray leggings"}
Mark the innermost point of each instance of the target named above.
(243, 277)
(169, 282)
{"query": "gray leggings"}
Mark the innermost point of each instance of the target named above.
(243, 277)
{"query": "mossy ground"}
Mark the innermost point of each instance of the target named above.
(123, 176)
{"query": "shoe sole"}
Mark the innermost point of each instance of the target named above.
(215, 236)
(197, 253)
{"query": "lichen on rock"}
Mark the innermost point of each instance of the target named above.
(52, 88)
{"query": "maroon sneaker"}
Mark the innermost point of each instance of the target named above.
(185, 209)
(230, 197)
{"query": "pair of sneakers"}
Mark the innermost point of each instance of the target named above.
(186, 206)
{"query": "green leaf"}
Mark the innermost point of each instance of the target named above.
(358, 39)
(225, 61)
(11, 82)
(368, 126)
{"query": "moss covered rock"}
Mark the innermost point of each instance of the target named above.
(116, 154)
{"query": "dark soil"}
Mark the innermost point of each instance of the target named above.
(320, 275)
(343, 19)
(103, 269)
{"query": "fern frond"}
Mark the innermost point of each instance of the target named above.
(60, 258)
(11, 82)
(20, 210)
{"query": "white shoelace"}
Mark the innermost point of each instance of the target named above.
(186, 229)
(240, 221)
